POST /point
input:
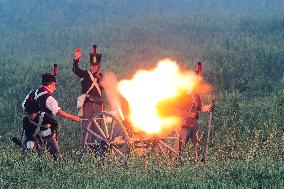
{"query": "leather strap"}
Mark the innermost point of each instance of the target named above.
(94, 84)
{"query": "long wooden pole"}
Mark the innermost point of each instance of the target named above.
(208, 135)
(209, 132)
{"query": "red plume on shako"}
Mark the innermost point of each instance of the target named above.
(199, 70)
(95, 50)
(55, 69)
(95, 58)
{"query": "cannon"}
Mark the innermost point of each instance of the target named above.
(112, 135)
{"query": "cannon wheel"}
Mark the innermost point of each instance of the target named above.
(167, 146)
(104, 132)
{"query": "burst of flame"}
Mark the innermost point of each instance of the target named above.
(148, 88)
(120, 113)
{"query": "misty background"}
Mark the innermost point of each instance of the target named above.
(240, 44)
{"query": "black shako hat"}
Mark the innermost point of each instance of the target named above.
(48, 78)
(95, 58)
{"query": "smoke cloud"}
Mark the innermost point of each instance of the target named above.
(110, 86)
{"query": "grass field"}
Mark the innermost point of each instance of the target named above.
(241, 46)
(22, 171)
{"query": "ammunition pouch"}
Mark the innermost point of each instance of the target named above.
(45, 133)
(80, 103)
(81, 100)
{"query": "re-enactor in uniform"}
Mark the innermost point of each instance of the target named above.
(91, 100)
(48, 108)
(40, 130)
(190, 127)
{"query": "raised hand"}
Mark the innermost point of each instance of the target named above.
(78, 53)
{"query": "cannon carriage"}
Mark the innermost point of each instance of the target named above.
(110, 133)
(106, 133)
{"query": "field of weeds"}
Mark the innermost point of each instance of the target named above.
(241, 46)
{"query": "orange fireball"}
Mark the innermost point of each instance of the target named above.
(150, 88)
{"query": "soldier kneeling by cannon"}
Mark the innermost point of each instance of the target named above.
(39, 126)
(40, 130)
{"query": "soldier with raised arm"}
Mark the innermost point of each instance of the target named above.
(91, 80)
(91, 99)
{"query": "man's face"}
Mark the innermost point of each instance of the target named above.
(52, 87)
(94, 68)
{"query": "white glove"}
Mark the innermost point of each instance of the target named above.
(30, 145)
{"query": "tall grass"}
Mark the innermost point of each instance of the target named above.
(240, 44)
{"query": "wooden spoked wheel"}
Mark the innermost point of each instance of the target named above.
(167, 146)
(104, 133)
